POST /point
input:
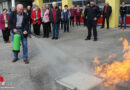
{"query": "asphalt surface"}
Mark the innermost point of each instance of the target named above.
(51, 59)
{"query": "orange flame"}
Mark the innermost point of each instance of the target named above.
(117, 71)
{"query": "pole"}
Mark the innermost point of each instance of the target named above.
(13, 3)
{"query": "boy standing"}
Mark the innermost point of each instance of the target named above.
(65, 17)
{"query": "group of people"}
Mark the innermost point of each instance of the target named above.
(21, 19)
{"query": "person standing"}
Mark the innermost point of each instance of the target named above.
(19, 24)
(78, 15)
(29, 20)
(36, 20)
(55, 17)
(11, 10)
(4, 25)
(48, 7)
(45, 21)
(34, 5)
(73, 12)
(65, 17)
(42, 16)
(123, 11)
(83, 11)
(106, 14)
(92, 14)
(61, 22)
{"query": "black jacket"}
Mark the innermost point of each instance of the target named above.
(13, 20)
(29, 16)
(91, 12)
(123, 10)
(58, 16)
(109, 11)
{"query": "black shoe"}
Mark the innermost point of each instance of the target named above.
(87, 39)
(53, 37)
(56, 38)
(15, 60)
(47, 36)
(26, 61)
(95, 40)
(44, 36)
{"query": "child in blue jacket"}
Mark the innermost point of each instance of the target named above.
(65, 17)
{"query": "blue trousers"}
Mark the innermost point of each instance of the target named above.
(123, 19)
(55, 29)
(24, 45)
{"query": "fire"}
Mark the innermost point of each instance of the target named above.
(118, 71)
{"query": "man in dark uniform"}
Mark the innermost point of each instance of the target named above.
(92, 14)
(106, 14)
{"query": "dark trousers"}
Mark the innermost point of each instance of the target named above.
(36, 28)
(107, 19)
(66, 26)
(46, 29)
(84, 20)
(72, 21)
(49, 26)
(6, 34)
(92, 25)
(61, 24)
(78, 20)
(29, 29)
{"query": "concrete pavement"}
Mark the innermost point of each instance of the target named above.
(50, 59)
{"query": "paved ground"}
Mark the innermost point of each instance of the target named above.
(50, 59)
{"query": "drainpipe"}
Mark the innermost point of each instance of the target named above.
(13, 3)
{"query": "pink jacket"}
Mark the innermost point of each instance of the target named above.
(2, 21)
(45, 17)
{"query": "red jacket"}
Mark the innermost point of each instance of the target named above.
(2, 21)
(33, 16)
(78, 13)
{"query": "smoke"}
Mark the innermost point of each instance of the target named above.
(54, 63)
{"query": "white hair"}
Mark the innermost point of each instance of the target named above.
(34, 3)
(54, 3)
(20, 6)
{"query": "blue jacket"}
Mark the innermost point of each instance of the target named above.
(65, 15)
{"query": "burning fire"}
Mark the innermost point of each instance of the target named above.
(118, 71)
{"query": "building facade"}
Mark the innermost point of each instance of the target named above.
(115, 17)
(114, 20)
(12, 3)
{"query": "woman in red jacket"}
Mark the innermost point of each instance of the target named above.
(78, 15)
(36, 20)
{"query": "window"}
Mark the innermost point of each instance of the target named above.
(100, 2)
(5, 5)
(0, 8)
(127, 1)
